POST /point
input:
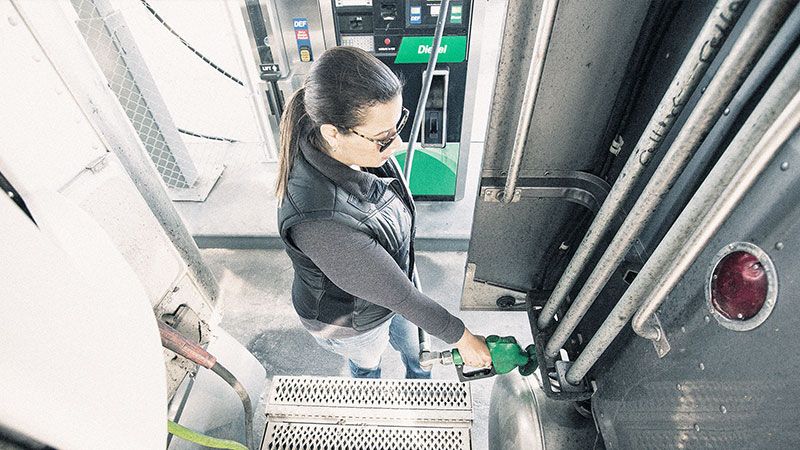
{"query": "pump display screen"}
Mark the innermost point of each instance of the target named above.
(400, 33)
(387, 22)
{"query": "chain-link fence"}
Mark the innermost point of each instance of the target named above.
(192, 115)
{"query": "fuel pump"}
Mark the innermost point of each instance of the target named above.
(400, 33)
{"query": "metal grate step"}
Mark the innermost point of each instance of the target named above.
(294, 436)
(352, 392)
(331, 413)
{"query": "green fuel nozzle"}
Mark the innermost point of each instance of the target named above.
(506, 354)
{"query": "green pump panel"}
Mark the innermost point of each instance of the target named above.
(400, 33)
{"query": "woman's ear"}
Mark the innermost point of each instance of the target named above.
(331, 135)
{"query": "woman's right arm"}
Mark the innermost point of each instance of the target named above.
(357, 264)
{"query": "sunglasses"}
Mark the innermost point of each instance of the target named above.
(383, 144)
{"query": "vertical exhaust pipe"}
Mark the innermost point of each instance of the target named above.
(545, 28)
(705, 47)
(756, 36)
(690, 233)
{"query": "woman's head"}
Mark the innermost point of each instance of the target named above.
(350, 104)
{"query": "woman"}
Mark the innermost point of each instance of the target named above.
(348, 221)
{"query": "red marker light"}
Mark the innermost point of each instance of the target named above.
(387, 41)
(739, 286)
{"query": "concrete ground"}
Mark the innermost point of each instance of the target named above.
(257, 311)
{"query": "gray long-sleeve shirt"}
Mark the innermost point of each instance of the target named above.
(358, 264)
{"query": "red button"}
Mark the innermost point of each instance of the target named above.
(387, 41)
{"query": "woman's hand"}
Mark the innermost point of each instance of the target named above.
(473, 350)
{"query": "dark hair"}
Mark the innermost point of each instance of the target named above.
(342, 83)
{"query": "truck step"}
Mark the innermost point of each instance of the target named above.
(347, 413)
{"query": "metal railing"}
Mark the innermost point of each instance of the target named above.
(755, 37)
(693, 228)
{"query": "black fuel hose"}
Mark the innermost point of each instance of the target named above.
(243, 395)
(178, 343)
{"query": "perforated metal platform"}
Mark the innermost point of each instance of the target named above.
(295, 436)
(345, 413)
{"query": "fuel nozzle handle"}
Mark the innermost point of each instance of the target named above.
(485, 372)
(506, 354)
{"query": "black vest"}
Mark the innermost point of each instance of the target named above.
(384, 212)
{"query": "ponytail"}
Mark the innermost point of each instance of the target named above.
(290, 128)
(341, 84)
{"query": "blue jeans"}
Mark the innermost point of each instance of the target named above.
(364, 351)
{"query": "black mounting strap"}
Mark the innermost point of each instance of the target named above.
(12, 193)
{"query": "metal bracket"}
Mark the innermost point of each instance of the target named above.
(482, 296)
(661, 344)
(562, 367)
(554, 382)
(495, 195)
(98, 164)
(582, 188)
